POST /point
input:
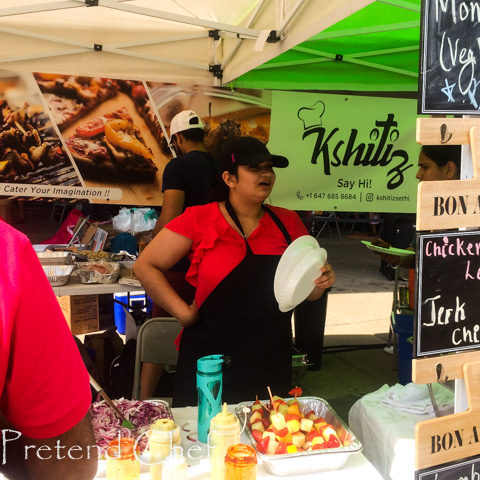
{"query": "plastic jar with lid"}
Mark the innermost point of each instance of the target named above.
(241, 463)
(163, 435)
(224, 432)
(122, 464)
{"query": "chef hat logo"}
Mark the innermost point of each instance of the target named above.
(312, 116)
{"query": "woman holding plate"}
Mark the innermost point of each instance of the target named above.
(234, 246)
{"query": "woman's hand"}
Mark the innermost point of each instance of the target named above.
(393, 260)
(189, 315)
(327, 279)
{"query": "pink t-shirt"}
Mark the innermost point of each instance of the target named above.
(217, 248)
(44, 385)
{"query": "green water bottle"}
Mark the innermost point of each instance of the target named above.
(209, 387)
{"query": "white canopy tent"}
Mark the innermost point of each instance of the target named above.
(205, 42)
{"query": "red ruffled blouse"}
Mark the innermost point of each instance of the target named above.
(217, 248)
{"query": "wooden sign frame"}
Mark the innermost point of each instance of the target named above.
(452, 437)
(449, 203)
(441, 131)
(439, 369)
(467, 469)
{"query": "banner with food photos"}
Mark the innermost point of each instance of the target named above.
(103, 139)
(347, 153)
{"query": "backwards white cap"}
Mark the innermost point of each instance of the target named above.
(185, 120)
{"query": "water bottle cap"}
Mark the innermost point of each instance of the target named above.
(210, 364)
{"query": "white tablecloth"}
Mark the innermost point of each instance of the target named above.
(75, 287)
(388, 434)
(356, 467)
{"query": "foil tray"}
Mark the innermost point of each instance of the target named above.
(314, 461)
(58, 275)
(53, 258)
(93, 276)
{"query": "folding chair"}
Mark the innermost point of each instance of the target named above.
(155, 345)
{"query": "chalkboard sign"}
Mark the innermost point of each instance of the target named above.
(465, 469)
(447, 314)
(450, 57)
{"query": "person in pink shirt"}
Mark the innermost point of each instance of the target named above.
(44, 386)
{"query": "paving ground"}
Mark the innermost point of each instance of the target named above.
(358, 318)
(357, 324)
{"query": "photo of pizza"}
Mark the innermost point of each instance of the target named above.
(30, 150)
(69, 97)
(112, 146)
(136, 90)
(111, 131)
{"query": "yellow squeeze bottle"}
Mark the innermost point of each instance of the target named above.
(162, 437)
(224, 432)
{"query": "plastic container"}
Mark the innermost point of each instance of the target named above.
(175, 466)
(224, 432)
(163, 436)
(137, 297)
(122, 464)
(315, 461)
(240, 463)
(403, 327)
(209, 387)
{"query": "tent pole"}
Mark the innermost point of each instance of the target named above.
(289, 17)
(174, 17)
(380, 67)
(159, 41)
(292, 63)
(43, 7)
(321, 57)
(49, 38)
(239, 42)
(46, 55)
(118, 51)
(401, 4)
(365, 30)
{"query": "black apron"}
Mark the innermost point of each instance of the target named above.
(240, 319)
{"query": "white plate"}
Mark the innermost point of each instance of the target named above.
(290, 258)
(301, 280)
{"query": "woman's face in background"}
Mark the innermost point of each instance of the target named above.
(429, 171)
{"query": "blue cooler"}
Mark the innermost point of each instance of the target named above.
(403, 327)
(136, 298)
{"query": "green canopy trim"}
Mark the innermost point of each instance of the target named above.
(374, 49)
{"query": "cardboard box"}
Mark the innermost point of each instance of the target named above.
(99, 239)
(81, 312)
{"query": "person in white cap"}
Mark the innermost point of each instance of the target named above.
(187, 181)
(188, 178)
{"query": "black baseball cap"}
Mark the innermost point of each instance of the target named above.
(247, 151)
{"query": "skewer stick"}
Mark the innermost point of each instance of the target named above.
(271, 399)
(264, 406)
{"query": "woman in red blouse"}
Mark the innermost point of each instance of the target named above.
(234, 247)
